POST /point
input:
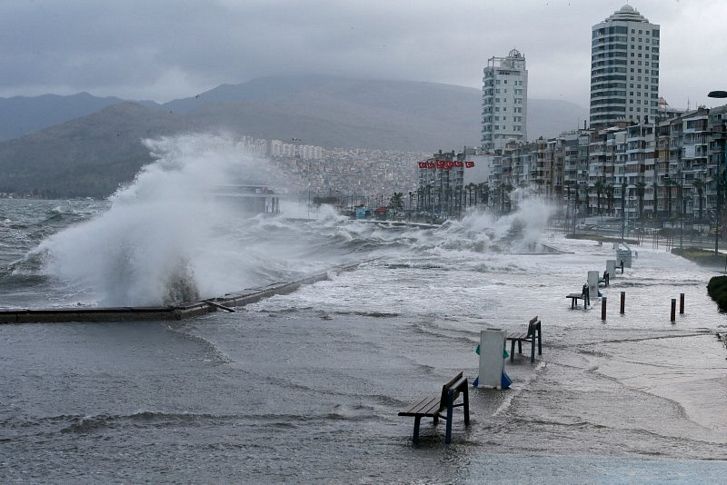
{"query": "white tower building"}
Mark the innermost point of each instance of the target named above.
(624, 69)
(504, 101)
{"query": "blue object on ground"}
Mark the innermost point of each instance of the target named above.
(476, 382)
(505, 381)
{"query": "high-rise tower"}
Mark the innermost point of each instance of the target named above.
(504, 101)
(624, 69)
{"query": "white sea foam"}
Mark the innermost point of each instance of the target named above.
(165, 238)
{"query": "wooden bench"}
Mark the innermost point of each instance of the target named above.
(574, 297)
(431, 407)
(534, 332)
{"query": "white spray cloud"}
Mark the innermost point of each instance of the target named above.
(160, 241)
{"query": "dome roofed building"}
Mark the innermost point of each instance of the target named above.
(624, 69)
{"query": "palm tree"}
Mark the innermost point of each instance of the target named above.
(669, 183)
(699, 185)
(485, 193)
(640, 190)
(609, 197)
(470, 188)
(599, 186)
(587, 190)
(397, 201)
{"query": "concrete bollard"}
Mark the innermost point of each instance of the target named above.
(603, 308)
(673, 310)
(611, 267)
(593, 284)
(681, 303)
(492, 342)
(623, 302)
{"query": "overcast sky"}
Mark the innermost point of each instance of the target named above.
(165, 49)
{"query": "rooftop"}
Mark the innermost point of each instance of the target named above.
(627, 13)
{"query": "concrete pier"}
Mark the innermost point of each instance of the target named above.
(172, 312)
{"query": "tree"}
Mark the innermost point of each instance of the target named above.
(485, 193)
(587, 194)
(470, 190)
(397, 201)
(505, 190)
(599, 186)
(609, 197)
(640, 190)
(669, 183)
(699, 185)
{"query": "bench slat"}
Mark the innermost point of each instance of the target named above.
(429, 406)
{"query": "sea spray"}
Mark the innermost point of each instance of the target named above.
(164, 237)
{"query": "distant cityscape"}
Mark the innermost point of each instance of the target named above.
(638, 159)
(339, 172)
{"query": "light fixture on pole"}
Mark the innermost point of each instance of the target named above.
(720, 172)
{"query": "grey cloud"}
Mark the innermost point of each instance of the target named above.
(164, 49)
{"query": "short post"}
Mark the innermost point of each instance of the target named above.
(623, 302)
(681, 303)
(673, 310)
(603, 308)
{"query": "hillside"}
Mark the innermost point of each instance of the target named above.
(91, 155)
(384, 114)
(22, 115)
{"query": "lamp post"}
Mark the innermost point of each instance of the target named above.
(623, 209)
(720, 171)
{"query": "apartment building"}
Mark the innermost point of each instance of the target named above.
(624, 69)
(504, 101)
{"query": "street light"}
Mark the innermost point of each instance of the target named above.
(718, 211)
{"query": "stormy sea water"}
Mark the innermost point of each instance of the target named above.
(306, 387)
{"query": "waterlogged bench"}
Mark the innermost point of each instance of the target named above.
(534, 332)
(431, 407)
(574, 297)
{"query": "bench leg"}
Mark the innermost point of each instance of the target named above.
(512, 350)
(466, 398)
(532, 351)
(417, 419)
(519, 346)
(540, 342)
(435, 420)
(448, 435)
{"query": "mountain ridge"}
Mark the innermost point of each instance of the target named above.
(93, 154)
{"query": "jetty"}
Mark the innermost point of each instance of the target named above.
(181, 311)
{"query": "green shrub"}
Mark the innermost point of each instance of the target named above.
(717, 290)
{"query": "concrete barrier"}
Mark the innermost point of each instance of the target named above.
(593, 284)
(492, 343)
(172, 312)
(611, 267)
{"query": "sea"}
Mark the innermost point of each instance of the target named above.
(306, 387)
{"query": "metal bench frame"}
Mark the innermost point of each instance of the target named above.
(534, 332)
(432, 406)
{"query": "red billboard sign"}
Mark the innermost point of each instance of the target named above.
(445, 164)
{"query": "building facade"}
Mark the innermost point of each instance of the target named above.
(624, 69)
(504, 101)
